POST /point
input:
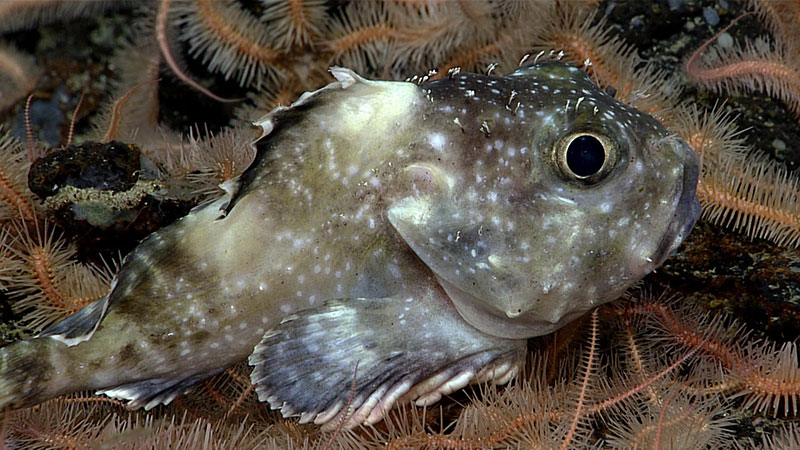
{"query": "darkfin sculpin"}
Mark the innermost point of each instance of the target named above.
(418, 232)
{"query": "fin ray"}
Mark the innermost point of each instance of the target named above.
(81, 325)
(153, 392)
(305, 365)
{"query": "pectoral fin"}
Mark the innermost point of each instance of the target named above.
(397, 348)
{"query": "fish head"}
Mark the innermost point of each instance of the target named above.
(541, 196)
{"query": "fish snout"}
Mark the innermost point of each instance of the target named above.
(687, 208)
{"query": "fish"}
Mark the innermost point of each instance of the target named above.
(391, 242)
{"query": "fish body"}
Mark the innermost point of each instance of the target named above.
(420, 233)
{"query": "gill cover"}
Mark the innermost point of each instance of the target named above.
(480, 268)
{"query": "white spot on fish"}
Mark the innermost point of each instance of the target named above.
(437, 141)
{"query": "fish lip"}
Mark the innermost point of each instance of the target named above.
(686, 212)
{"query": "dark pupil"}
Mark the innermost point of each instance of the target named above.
(585, 156)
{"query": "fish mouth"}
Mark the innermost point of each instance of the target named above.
(686, 212)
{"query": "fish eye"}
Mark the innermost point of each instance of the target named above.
(585, 157)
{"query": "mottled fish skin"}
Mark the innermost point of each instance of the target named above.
(419, 232)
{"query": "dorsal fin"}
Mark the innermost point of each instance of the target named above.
(80, 326)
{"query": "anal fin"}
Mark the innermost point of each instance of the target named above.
(405, 348)
(153, 392)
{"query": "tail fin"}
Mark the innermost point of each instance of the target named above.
(27, 375)
(24, 373)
